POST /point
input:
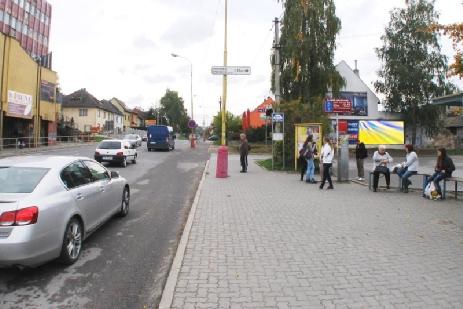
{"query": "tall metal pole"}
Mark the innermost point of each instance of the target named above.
(277, 64)
(224, 96)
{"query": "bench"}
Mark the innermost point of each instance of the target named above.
(370, 179)
(456, 180)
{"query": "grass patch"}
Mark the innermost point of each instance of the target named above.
(267, 164)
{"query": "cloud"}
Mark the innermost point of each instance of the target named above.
(158, 78)
(144, 43)
(136, 101)
(188, 30)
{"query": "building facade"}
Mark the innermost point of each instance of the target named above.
(28, 21)
(127, 112)
(29, 95)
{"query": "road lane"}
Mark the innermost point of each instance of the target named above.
(126, 262)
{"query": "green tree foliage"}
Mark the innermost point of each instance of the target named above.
(308, 43)
(173, 110)
(295, 112)
(234, 125)
(413, 69)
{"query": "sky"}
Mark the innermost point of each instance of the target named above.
(120, 48)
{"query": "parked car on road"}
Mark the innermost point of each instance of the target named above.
(116, 151)
(213, 138)
(134, 139)
(160, 137)
(50, 204)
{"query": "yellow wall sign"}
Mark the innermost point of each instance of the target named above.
(302, 131)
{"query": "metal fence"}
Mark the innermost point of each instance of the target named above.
(32, 143)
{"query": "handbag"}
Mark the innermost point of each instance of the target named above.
(382, 169)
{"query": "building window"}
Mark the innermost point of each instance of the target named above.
(83, 112)
(25, 29)
(99, 113)
(28, 7)
(21, 3)
(1, 17)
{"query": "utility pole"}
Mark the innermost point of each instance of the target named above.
(225, 80)
(277, 64)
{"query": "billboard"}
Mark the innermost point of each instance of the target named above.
(381, 132)
(19, 105)
(302, 131)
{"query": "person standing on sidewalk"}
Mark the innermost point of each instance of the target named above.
(361, 154)
(408, 168)
(302, 160)
(310, 154)
(244, 151)
(326, 155)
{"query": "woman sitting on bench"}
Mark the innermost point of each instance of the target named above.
(381, 159)
(444, 169)
(408, 168)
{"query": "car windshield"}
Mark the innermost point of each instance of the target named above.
(130, 137)
(20, 179)
(110, 145)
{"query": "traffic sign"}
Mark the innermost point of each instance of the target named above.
(278, 117)
(338, 106)
(231, 70)
(192, 124)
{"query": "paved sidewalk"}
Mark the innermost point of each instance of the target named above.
(267, 240)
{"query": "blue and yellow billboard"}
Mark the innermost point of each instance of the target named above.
(381, 132)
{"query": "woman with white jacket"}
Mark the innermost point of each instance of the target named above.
(408, 168)
(326, 155)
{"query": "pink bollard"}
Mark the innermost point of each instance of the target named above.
(222, 162)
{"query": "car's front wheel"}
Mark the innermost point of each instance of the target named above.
(72, 242)
(125, 204)
(134, 161)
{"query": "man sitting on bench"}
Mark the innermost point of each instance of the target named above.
(408, 168)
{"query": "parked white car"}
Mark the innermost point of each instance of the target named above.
(116, 151)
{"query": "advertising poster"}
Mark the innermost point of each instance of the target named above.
(359, 102)
(52, 133)
(353, 131)
(47, 91)
(302, 131)
(382, 132)
(19, 105)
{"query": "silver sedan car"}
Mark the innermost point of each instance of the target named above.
(50, 204)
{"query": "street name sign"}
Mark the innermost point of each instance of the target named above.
(231, 70)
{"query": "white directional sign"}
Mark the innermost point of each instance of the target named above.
(231, 70)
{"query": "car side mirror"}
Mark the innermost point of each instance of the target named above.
(114, 174)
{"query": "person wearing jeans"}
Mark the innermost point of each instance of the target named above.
(361, 154)
(327, 154)
(444, 169)
(310, 154)
(408, 168)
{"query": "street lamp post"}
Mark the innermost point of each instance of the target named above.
(191, 95)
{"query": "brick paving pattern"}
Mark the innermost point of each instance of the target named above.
(267, 240)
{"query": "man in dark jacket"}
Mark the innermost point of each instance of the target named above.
(361, 154)
(244, 151)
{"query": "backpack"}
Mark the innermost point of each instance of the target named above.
(310, 151)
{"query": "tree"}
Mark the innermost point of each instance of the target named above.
(413, 69)
(172, 108)
(455, 32)
(307, 46)
(233, 125)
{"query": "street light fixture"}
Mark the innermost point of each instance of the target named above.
(191, 94)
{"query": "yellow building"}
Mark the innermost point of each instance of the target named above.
(91, 115)
(125, 110)
(28, 93)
